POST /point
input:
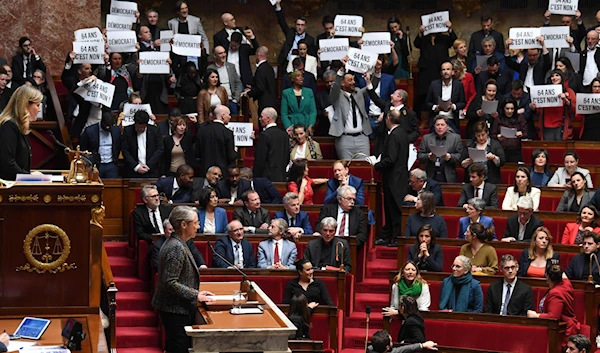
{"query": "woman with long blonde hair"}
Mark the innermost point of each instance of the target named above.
(22, 108)
(408, 281)
(539, 255)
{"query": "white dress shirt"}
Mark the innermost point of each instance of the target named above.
(349, 126)
(591, 69)
(339, 222)
(504, 289)
(238, 256)
(158, 219)
(141, 152)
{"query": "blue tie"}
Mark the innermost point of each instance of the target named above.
(506, 299)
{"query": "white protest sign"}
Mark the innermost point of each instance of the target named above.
(546, 95)
(435, 22)
(165, 40)
(273, 2)
(588, 103)
(524, 38)
(186, 45)
(129, 111)
(563, 7)
(333, 49)
(89, 35)
(377, 42)
(555, 36)
(121, 41)
(241, 133)
(347, 26)
(118, 23)
(97, 92)
(88, 52)
(123, 8)
(360, 61)
(154, 62)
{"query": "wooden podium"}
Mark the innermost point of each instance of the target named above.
(225, 332)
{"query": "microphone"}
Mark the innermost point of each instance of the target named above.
(68, 150)
(246, 284)
(368, 310)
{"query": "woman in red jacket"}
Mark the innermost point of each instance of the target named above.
(467, 80)
(587, 221)
(556, 122)
(559, 301)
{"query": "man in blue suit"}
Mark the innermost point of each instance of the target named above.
(277, 253)
(178, 188)
(103, 140)
(237, 250)
(297, 221)
(417, 181)
(266, 190)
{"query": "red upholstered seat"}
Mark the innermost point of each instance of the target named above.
(556, 154)
(320, 329)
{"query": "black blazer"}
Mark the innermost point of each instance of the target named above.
(582, 61)
(186, 143)
(16, 151)
(503, 82)
(165, 185)
(539, 70)
(273, 154)
(266, 190)
(357, 225)
(290, 36)
(520, 301)
(245, 69)
(312, 253)
(262, 216)
(215, 146)
(225, 191)
(90, 141)
(457, 98)
(393, 166)
(223, 247)
(154, 151)
(490, 195)
(80, 119)
(157, 244)
(17, 69)
(435, 261)
(493, 170)
(263, 87)
(222, 38)
(141, 221)
(412, 330)
(576, 266)
(525, 262)
(512, 227)
(473, 118)
(433, 186)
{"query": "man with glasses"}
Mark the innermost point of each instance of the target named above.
(148, 218)
(509, 296)
(521, 226)
(211, 180)
(26, 62)
(417, 181)
(350, 220)
(325, 251)
(234, 248)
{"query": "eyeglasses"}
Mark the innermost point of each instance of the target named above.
(152, 196)
(509, 268)
(349, 199)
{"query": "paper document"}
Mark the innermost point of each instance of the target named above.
(330, 111)
(373, 159)
(438, 151)
(482, 61)
(223, 297)
(18, 345)
(508, 132)
(412, 155)
(444, 105)
(489, 107)
(477, 155)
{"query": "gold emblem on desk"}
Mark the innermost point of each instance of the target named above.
(46, 248)
(47, 198)
(23, 198)
(98, 214)
(79, 172)
(71, 198)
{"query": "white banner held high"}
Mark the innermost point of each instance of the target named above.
(241, 133)
(154, 62)
(333, 49)
(89, 35)
(97, 92)
(121, 41)
(165, 40)
(186, 45)
(524, 38)
(555, 36)
(360, 61)
(348, 26)
(123, 8)
(563, 7)
(118, 23)
(129, 111)
(377, 42)
(88, 52)
(546, 95)
(435, 22)
(588, 103)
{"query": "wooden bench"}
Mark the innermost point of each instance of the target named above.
(326, 328)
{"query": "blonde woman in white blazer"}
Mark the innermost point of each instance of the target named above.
(522, 187)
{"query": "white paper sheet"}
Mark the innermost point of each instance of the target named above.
(477, 155)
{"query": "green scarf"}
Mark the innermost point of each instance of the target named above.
(413, 290)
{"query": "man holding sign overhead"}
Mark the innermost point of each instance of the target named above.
(292, 36)
(532, 71)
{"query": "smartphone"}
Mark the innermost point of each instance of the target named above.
(14, 337)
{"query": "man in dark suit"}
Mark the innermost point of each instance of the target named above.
(589, 72)
(309, 79)
(82, 109)
(216, 146)
(239, 52)
(350, 220)
(523, 108)
(158, 243)
(272, 148)
(539, 59)
(494, 71)
(264, 187)
(488, 49)
(292, 36)
(328, 33)
(478, 188)
(25, 63)
(222, 37)
(486, 31)
(297, 221)
(166, 126)
(322, 100)
(394, 170)
(148, 218)
(232, 188)
(509, 296)
(417, 181)
(211, 179)
(447, 90)
(521, 226)
(263, 83)
(237, 250)
(325, 251)
(178, 188)
(579, 266)
(578, 34)
(104, 141)
(5, 92)
(142, 148)
(254, 218)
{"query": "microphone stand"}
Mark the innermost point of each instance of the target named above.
(337, 255)
(368, 310)
(246, 284)
(409, 52)
(591, 275)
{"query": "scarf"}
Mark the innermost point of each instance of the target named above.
(123, 72)
(311, 146)
(413, 290)
(448, 298)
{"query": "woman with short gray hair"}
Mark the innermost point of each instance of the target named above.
(460, 291)
(474, 209)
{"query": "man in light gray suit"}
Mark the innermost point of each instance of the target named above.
(277, 253)
(228, 76)
(350, 123)
(185, 23)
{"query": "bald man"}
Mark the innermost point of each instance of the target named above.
(272, 147)
(590, 60)
(215, 146)
(223, 37)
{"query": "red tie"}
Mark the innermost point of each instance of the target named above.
(276, 256)
(342, 225)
